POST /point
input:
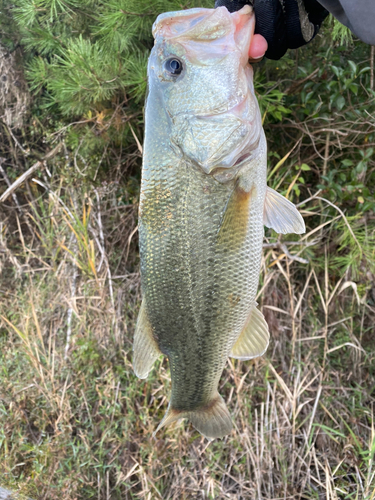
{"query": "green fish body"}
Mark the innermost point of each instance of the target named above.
(203, 206)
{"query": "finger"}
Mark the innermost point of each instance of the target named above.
(258, 47)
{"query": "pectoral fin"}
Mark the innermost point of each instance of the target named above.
(145, 349)
(234, 224)
(254, 338)
(281, 215)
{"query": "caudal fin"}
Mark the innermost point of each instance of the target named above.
(212, 420)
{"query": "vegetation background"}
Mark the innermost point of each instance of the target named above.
(75, 421)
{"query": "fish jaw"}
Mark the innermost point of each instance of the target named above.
(214, 116)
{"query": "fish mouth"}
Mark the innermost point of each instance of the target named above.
(226, 174)
(230, 168)
(245, 157)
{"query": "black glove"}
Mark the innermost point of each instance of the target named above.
(285, 24)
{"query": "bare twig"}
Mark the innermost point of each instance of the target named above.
(7, 180)
(326, 153)
(29, 173)
(70, 310)
(284, 249)
(295, 85)
(26, 153)
(20, 180)
(16, 202)
(136, 139)
(103, 252)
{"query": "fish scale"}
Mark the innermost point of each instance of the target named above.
(201, 214)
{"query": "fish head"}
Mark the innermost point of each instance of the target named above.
(200, 64)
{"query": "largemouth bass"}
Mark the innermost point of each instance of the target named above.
(203, 206)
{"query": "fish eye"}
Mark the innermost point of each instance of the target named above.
(173, 66)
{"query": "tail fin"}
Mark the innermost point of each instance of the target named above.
(212, 420)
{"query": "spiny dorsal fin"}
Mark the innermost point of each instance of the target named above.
(254, 338)
(145, 349)
(281, 215)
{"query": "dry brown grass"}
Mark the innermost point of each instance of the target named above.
(14, 94)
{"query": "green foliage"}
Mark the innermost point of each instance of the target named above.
(81, 54)
(85, 75)
(340, 33)
(8, 31)
(270, 98)
(357, 254)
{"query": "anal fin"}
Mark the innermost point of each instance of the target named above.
(145, 349)
(254, 338)
(281, 215)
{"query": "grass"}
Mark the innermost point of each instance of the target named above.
(75, 421)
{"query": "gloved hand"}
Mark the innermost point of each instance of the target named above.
(285, 24)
